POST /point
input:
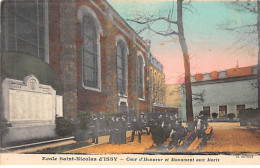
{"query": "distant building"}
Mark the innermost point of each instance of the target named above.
(173, 96)
(156, 83)
(223, 92)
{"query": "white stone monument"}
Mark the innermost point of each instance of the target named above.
(30, 107)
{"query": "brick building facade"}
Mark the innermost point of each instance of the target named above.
(83, 50)
(96, 56)
(156, 83)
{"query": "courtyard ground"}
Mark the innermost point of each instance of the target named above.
(227, 137)
(231, 138)
(129, 147)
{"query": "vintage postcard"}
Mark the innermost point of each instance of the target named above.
(92, 82)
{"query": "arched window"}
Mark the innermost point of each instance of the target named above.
(121, 67)
(140, 76)
(90, 53)
(25, 27)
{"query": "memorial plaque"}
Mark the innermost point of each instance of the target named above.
(30, 102)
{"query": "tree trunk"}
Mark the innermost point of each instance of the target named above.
(189, 109)
(258, 65)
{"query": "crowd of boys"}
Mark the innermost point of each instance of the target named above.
(160, 125)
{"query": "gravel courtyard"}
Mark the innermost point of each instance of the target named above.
(230, 137)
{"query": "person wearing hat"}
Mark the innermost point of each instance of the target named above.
(136, 126)
(112, 129)
(177, 132)
(117, 136)
(199, 126)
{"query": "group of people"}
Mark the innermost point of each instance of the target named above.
(119, 124)
(164, 126)
(97, 125)
(117, 129)
(160, 125)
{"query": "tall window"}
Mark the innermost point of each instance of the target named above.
(90, 58)
(25, 27)
(121, 68)
(223, 111)
(140, 77)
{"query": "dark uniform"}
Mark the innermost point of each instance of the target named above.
(178, 132)
(124, 129)
(95, 126)
(201, 127)
(144, 124)
(136, 126)
(151, 123)
(102, 123)
(117, 132)
(112, 130)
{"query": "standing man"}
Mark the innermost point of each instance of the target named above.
(124, 129)
(144, 123)
(95, 127)
(136, 126)
(112, 129)
(117, 137)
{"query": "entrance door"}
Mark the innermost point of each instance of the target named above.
(123, 108)
(207, 110)
(240, 107)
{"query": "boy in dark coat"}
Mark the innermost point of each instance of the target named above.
(136, 126)
(95, 126)
(112, 129)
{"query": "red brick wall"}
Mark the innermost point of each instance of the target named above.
(239, 72)
(107, 99)
(55, 48)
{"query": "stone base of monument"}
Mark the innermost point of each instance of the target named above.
(25, 134)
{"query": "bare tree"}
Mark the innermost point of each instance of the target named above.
(175, 28)
(199, 97)
(249, 32)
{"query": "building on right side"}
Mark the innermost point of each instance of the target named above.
(223, 92)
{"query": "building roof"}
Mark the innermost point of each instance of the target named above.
(155, 62)
(228, 74)
(138, 37)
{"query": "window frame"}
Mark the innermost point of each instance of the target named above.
(87, 11)
(140, 55)
(210, 114)
(237, 112)
(6, 28)
(88, 20)
(219, 110)
(121, 39)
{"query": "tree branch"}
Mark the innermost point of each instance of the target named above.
(239, 27)
(162, 33)
(244, 6)
(148, 20)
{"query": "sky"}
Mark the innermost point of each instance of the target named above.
(210, 47)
